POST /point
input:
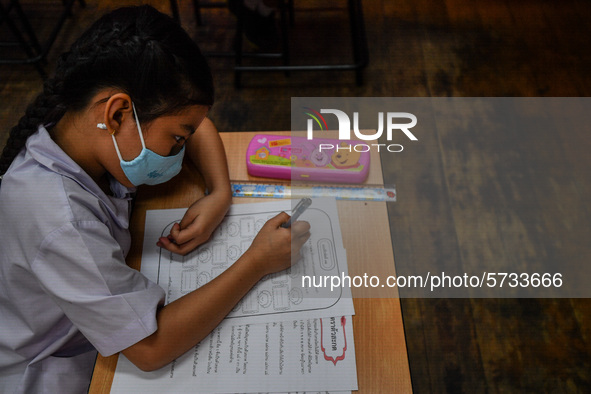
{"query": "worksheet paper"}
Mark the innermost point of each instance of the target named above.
(281, 337)
(276, 297)
(298, 355)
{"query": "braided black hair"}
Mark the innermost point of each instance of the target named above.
(136, 49)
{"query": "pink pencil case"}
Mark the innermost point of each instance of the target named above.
(297, 158)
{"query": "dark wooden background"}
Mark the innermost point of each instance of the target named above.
(457, 201)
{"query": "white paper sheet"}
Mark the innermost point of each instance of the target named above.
(275, 295)
(299, 355)
(280, 337)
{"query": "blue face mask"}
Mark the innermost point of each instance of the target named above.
(149, 167)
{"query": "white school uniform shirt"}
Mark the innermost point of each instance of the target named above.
(65, 289)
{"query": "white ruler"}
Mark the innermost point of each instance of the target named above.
(340, 192)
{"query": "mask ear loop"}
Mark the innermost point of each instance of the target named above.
(139, 128)
(103, 126)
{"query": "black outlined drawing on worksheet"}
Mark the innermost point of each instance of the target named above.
(275, 294)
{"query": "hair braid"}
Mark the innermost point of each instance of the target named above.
(44, 110)
(48, 107)
(137, 50)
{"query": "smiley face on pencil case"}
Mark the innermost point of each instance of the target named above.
(297, 158)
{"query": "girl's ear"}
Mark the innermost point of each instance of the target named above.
(117, 111)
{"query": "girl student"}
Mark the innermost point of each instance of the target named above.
(126, 104)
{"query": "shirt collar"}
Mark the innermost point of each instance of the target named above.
(46, 152)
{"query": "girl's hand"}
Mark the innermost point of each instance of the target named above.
(274, 248)
(196, 227)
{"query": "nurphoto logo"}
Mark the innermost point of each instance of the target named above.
(392, 125)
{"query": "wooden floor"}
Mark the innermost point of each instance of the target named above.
(422, 48)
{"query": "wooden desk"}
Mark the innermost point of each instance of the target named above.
(382, 362)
